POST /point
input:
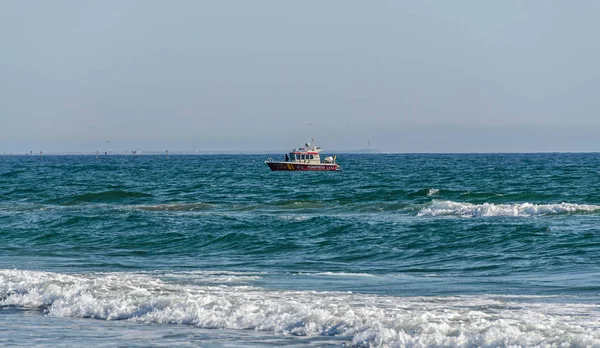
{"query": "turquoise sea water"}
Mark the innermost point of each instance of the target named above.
(216, 250)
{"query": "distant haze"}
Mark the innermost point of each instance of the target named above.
(404, 76)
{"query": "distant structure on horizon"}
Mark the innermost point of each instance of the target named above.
(367, 150)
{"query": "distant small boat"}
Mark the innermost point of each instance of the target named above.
(305, 158)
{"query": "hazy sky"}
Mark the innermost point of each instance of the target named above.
(410, 76)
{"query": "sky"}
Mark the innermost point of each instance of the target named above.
(253, 76)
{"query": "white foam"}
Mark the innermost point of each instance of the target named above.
(433, 192)
(450, 208)
(211, 277)
(294, 217)
(367, 320)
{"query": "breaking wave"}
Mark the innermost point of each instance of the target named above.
(450, 208)
(433, 192)
(365, 320)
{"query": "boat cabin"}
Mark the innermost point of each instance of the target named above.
(307, 154)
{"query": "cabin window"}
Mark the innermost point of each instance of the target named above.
(302, 157)
(312, 157)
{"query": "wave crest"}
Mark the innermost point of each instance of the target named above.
(102, 197)
(450, 208)
(367, 320)
(173, 207)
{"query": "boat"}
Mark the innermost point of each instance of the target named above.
(305, 158)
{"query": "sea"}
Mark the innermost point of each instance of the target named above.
(396, 250)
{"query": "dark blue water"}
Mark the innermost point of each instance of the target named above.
(396, 250)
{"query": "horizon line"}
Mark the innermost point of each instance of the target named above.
(270, 152)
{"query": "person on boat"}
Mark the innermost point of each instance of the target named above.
(287, 159)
